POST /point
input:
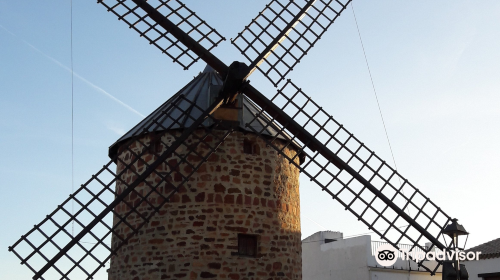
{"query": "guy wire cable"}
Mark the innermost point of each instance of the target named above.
(72, 122)
(376, 97)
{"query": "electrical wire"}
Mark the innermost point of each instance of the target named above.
(376, 97)
(72, 124)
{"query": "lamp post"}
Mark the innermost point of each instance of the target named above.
(453, 230)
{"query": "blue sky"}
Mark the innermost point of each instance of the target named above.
(435, 66)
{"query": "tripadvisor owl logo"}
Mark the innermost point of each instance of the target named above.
(386, 255)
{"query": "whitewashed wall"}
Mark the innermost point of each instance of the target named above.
(351, 259)
(482, 266)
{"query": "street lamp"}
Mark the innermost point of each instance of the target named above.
(456, 271)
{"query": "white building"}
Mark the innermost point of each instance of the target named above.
(326, 255)
(488, 266)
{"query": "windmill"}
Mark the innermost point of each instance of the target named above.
(274, 43)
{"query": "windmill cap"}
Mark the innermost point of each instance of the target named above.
(201, 91)
(208, 69)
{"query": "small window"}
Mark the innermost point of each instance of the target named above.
(247, 245)
(155, 145)
(247, 147)
(250, 147)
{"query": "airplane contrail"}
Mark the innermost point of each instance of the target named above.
(92, 85)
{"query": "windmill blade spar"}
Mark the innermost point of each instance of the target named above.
(159, 21)
(375, 193)
(52, 251)
(282, 34)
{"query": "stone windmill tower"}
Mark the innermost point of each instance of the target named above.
(237, 217)
(207, 185)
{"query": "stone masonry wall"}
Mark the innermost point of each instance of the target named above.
(195, 236)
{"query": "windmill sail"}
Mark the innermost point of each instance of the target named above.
(76, 245)
(337, 161)
(351, 173)
(277, 39)
(179, 14)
